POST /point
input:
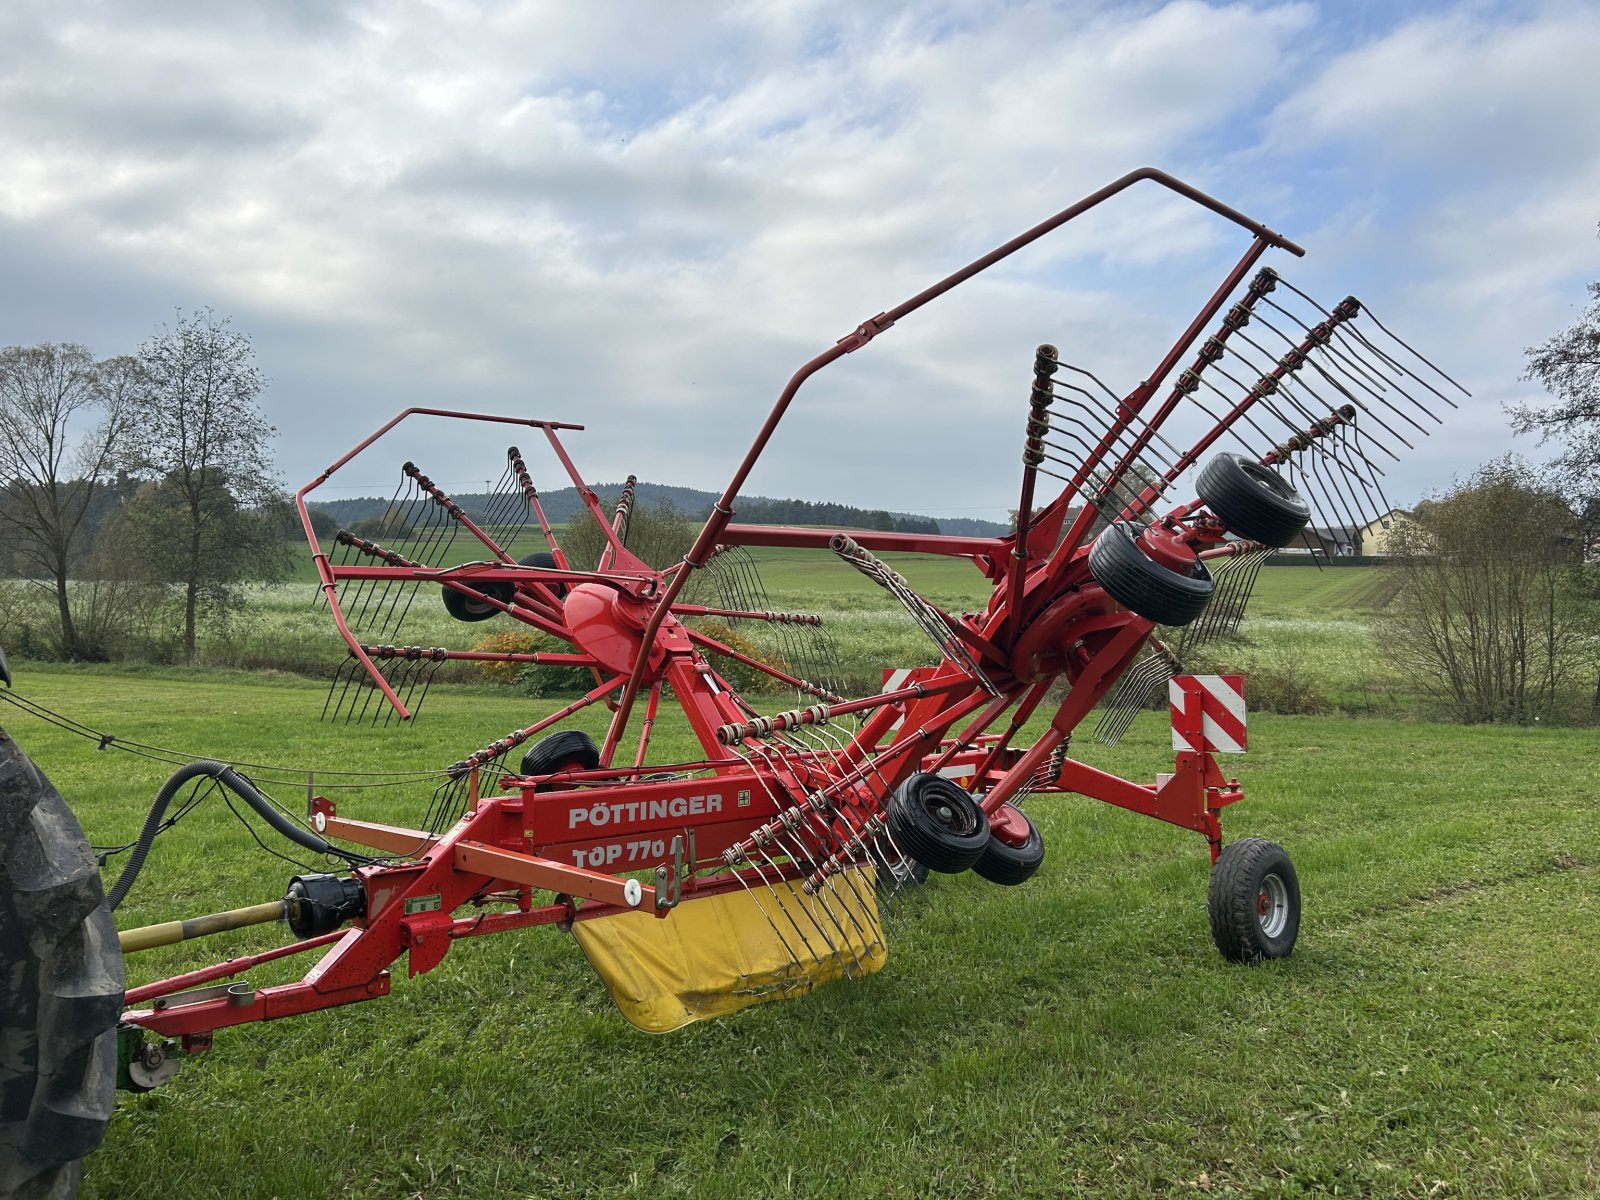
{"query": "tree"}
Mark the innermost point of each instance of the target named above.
(62, 420)
(1491, 611)
(1568, 366)
(323, 523)
(659, 535)
(210, 515)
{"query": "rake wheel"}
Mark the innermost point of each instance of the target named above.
(938, 823)
(569, 748)
(61, 993)
(1252, 500)
(469, 608)
(1142, 585)
(1254, 901)
(1010, 865)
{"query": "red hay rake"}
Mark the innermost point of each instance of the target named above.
(804, 813)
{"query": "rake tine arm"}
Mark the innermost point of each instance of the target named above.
(618, 552)
(1266, 385)
(1045, 364)
(454, 511)
(531, 495)
(800, 685)
(1233, 322)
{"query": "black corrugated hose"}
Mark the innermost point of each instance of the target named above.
(239, 786)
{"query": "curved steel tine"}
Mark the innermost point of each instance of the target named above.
(1136, 424)
(1231, 349)
(1230, 430)
(796, 849)
(1112, 396)
(1377, 485)
(821, 902)
(1372, 385)
(765, 780)
(1374, 371)
(1330, 488)
(1346, 338)
(1349, 494)
(1392, 337)
(822, 740)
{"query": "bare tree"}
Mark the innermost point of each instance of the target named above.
(1568, 366)
(62, 418)
(1491, 613)
(207, 519)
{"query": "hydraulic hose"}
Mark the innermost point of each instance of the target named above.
(239, 786)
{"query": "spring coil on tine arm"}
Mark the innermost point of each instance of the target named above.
(422, 481)
(345, 538)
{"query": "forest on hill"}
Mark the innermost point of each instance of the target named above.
(561, 505)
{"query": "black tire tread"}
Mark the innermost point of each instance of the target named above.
(1010, 865)
(1144, 586)
(569, 747)
(1252, 500)
(1231, 901)
(916, 834)
(61, 997)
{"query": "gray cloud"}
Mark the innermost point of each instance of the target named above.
(646, 218)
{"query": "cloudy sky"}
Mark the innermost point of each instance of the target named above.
(644, 217)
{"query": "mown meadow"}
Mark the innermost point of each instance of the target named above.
(1433, 1035)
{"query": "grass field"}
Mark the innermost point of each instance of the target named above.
(1434, 1034)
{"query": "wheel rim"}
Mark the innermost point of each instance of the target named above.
(1272, 905)
(947, 816)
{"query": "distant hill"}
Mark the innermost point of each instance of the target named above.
(562, 505)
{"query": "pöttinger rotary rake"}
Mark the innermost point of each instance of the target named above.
(789, 826)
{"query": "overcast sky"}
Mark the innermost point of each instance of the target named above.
(644, 217)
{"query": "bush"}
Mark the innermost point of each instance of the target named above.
(1494, 607)
(744, 678)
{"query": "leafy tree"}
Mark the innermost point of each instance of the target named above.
(1492, 609)
(62, 419)
(1568, 366)
(659, 535)
(323, 523)
(210, 516)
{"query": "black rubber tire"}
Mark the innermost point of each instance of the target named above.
(546, 561)
(1139, 583)
(937, 823)
(569, 748)
(1010, 865)
(1252, 500)
(60, 990)
(1251, 880)
(469, 608)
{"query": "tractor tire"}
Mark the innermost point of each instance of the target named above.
(1252, 500)
(60, 990)
(1144, 586)
(937, 823)
(544, 560)
(1010, 865)
(569, 748)
(1254, 901)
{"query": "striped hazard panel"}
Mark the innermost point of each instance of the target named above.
(1208, 713)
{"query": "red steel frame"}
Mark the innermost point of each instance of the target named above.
(578, 835)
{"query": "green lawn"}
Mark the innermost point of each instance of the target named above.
(1434, 1035)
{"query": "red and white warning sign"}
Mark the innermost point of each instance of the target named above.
(1208, 713)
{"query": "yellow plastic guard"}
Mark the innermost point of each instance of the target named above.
(717, 954)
